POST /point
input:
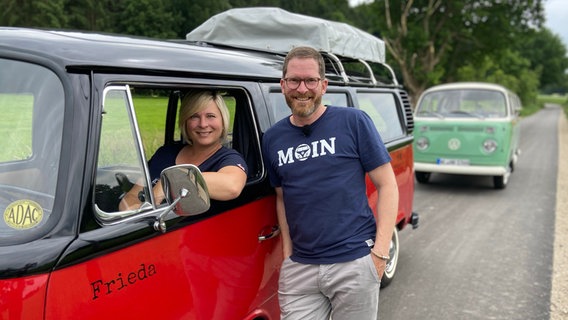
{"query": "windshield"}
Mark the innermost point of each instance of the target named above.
(463, 103)
(32, 105)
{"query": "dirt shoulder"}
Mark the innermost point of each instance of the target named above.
(559, 295)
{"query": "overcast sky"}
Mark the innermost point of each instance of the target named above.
(557, 18)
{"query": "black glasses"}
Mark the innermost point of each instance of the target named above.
(294, 83)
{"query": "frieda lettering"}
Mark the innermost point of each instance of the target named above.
(105, 287)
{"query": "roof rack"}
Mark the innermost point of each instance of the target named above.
(351, 55)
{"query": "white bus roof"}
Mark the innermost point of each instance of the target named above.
(275, 29)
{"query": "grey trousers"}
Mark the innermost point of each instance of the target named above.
(342, 291)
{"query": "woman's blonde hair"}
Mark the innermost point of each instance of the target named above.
(196, 101)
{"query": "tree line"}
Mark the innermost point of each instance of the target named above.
(428, 41)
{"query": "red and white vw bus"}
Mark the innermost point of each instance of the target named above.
(82, 113)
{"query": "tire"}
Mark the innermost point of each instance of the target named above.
(390, 269)
(422, 177)
(499, 182)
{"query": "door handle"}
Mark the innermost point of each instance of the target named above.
(274, 231)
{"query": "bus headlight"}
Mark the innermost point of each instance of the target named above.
(422, 143)
(489, 145)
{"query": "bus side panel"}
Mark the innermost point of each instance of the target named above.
(213, 269)
(23, 298)
(402, 165)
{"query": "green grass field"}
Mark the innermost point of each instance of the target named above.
(557, 99)
(151, 115)
(15, 131)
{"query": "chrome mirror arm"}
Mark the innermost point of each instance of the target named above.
(160, 224)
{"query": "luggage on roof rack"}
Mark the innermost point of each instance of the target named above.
(352, 55)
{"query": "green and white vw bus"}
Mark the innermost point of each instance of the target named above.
(467, 128)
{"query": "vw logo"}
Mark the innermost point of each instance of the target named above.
(454, 144)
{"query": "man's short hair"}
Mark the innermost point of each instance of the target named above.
(304, 53)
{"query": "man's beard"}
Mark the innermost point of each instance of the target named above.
(303, 110)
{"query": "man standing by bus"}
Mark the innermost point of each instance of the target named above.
(335, 250)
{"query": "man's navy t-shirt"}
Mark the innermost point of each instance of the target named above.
(322, 175)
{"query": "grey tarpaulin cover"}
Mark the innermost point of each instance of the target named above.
(276, 29)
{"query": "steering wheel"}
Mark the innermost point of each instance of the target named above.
(125, 185)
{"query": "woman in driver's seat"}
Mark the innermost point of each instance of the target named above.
(204, 123)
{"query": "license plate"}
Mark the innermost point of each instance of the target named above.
(453, 162)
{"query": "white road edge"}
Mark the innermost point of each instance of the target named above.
(559, 294)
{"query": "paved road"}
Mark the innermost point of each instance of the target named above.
(482, 253)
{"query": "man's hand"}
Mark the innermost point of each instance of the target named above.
(380, 265)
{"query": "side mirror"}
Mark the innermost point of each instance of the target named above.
(186, 177)
(185, 191)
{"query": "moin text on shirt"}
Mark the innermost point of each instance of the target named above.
(304, 151)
